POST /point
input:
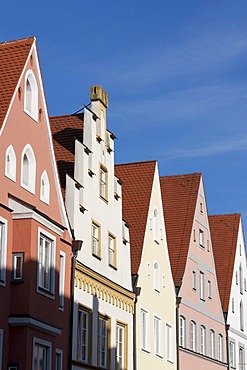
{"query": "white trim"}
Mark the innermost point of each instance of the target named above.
(32, 169)
(46, 344)
(11, 174)
(46, 196)
(158, 349)
(34, 323)
(3, 266)
(1, 348)
(62, 270)
(33, 113)
(145, 346)
(59, 352)
(169, 341)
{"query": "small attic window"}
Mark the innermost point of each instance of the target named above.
(10, 163)
(31, 95)
(28, 169)
(44, 188)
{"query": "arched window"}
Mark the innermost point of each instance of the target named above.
(10, 163)
(31, 95)
(193, 336)
(212, 343)
(203, 340)
(28, 169)
(220, 347)
(182, 331)
(156, 277)
(156, 225)
(240, 279)
(241, 316)
(45, 188)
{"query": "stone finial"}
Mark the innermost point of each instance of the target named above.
(98, 93)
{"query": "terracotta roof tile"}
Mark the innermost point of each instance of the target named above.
(179, 196)
(224, 234)
(65, 129)
(136, 192)
(13, 56)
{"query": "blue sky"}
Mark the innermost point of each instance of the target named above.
(175, 72)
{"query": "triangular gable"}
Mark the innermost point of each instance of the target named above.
(179, 197)
(136, 193)
(224, 234)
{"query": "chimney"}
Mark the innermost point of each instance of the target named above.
(98, 93)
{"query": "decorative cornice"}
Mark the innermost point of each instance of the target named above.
(92, 282)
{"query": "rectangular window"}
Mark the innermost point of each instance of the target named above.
(203, 340)
(182, 329)
(112, 250)
(41, 355)
(220, 347)
(17, 266)
(232, 355)
(209, 289)
(59, 359)
(3, 243)
(102, 341)
(241, 359)
(121, 355)
(144, 330)
(96, 239)
(193, 336)
(103, 182)
(46, 269)
(202, 286)
(201, 238)
(212, 343)
(84, 320)
(193, 280)
(157, 336)
(61, 279)
(169, 344)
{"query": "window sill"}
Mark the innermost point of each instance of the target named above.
(61, 308)
(10, 177)
(16, 281)
(146, 350)
(46, 293)
(34, 116)
(113, 267)
(96, 256)
(104, 199)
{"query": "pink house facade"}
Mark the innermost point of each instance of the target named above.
(201, 334)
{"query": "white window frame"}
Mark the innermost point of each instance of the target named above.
(30, 186)
(144, 329)
(211, 343)
(148, 269)
(241, 358)
(241, 285)
(156, 277)
(10, 165)
(59, 355)
(203, 340)
(103, 173)
(33, 112)
(209, 289)
(62, 269)
(48, 346)
(86, 336)
(194, 280)
(157, 336)
(193, 335)
(156, 225)
(3, 250)
(95, 239)
(101, 345)
(220, 347)
(15, 256)
(45, 188)
(1, 348)
(121, 346)
(169, 343)
(241, 315)
(182, 331)
(201, 238)
(202, 285)
(112, 242)
(232, 354)
(50, 291)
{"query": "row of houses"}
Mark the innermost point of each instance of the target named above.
(106, 266)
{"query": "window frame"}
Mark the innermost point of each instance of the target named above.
(202, 285)
(112, 262)
(82, 310)
(209, 289)
(59, 354)
(194, 280)
(157, 336)
(3, 249)
(16, 255)
(95, 225)
(103, 182)
(11, 171)
(45, 195)
(124, 363)
(144, 330)
(201, 239)
(193, 336)
(30, 186)
(156, 226)
(34, 109)
(106, 320)
(61, 281)
(182, 331)
(48, 346)
(232, 354)
(220, 347)
(169, 343)
(203, 340)
(212, 343)
(156, 277)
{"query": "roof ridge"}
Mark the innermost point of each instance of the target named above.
(18, 40)
(137, 162)
(180, 175)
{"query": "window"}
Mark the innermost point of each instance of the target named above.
(121, 355)
(202, 286)
(41, 355)
(203, 340)
(31, 96)
(46, 270)
(236, 277)
(84, 323)
(156, 226)
(201, 207)
(3, 248)
(156, 277)
(193, 336)
(241, 316)
(201, 238)
(232, 355)
(28, 169)
(144, 330)
(209, 289)
(157, 336)
(44, 188)
(245, 286)
(193, 280)
(148, 269)
(59, 359)
(232, 305)
(240, 279)
(10, 163)
(96, 239)
(169, 344)
(61, 279)
(220, 347)
(241, 359)
(102, 342)
(17, 266)
(212, 343)
(103, 182)
(163, 281)
(182, 330)
(1, 348)
(112, 250)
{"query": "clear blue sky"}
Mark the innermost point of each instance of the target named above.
(175, 72)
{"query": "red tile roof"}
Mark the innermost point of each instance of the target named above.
(224, 234)
(179, 196)
(13, 56)
(136, 193)
(65, 129)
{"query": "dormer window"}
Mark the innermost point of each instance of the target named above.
(44, 188)
(31, 95)
(28, 169)
(10, 163)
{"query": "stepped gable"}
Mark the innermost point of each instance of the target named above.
(136, 193)
(179, 196)
(13, 56)
(224, 235)
(65, 129)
